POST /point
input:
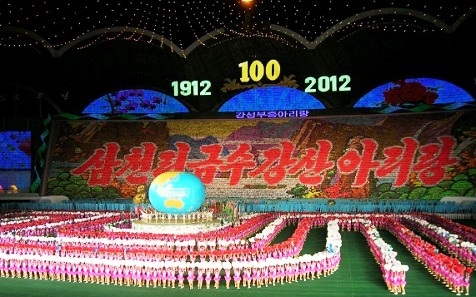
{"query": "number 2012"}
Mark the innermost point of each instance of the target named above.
(324, 84)
(192, 88)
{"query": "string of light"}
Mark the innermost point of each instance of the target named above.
(186, 21)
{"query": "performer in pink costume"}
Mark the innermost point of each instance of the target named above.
(395, 279)
(24, 270)
(403, 278)
(236, 274)
(96, 275)
(163, 274)
(180, 274)
(458, 279)
(53, 270)
(171, 278)
(302, 266)
(295, 270)
(190, 275)
(320, 265)
(247, 276)
(254, 273)
(281, 272)
(80, 274)
(288, 269)
(36, 273)
(227, 268)
(11, 268)
(155, 277)
(466, 279)
(120, 274)
(387, 276)
(200, 272)
(18, 268)
(208, 275)
(264, 274)
(107, 274)
(147, 276)
(31, 267)
(217, 277)
(127, 276)
(69, 273)
(272, 272)
(2, 267)
(88, 273)
(115, 275)
(139, 276)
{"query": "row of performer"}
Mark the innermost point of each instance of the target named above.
(153, 216)
(174, 274)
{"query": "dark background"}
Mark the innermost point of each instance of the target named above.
(58, 57)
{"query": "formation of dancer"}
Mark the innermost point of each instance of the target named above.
(209, 274)
(245, 259)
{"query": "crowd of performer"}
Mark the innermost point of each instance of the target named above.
(153, 216)
(239, 256)
(174, 274)
(245, 270)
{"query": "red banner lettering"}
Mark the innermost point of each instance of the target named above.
(428, 161)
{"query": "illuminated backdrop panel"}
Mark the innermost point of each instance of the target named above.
(406, 156)
(414, 91)
(279, 98)
(15, 159)
(135, 101)
(15, 150)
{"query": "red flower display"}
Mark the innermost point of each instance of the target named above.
(409, 92)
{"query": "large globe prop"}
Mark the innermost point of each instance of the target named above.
(176, 192)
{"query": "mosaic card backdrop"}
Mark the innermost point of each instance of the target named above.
(404, 156)
(15, 159)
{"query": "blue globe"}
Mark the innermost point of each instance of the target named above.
(176, 192)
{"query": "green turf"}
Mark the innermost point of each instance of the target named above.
(471, 223)
(358, 275)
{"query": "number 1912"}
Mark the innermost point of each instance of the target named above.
(192, 88)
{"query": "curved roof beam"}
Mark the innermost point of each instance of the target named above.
(48, 46)
(122, 29)
(211, 35)
(57, 53)
(384, 11)
(202, 40)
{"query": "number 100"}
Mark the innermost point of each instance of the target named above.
(256, 70)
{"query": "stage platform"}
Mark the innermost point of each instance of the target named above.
(31, 197)
(179, 227)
